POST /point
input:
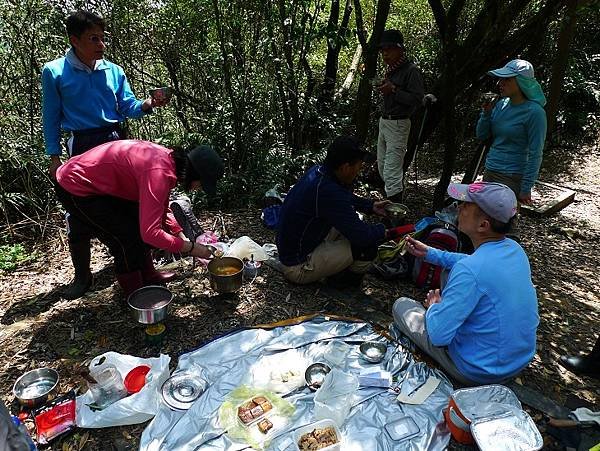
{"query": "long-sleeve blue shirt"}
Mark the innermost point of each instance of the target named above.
(488, 313)
(74, 97)
(315, 204)
(519, 134)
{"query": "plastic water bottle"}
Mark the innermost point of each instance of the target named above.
(24, 433)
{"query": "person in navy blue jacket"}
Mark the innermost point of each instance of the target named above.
(320, 233)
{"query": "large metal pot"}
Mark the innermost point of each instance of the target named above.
(150, 304)
(35, 386)
(226, 274)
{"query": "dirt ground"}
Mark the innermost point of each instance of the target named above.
(38, 328)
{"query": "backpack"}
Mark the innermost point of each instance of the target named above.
(439, 235)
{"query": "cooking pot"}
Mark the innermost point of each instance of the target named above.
(149, 305)
(35, 386)
(225, 274)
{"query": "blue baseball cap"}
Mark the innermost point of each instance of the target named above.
(514, 68)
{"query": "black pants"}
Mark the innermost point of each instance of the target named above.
(114, 221)
(84, 140)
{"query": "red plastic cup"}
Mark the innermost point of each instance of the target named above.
(136, 379)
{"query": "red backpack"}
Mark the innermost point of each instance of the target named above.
(440, 235)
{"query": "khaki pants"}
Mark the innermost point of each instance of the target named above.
(391, 149)
(409, 316)
(330, 257)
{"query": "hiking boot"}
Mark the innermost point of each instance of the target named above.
(588, 365)
(80, 256)
(153, 277)
(397, 198)
(130, 282)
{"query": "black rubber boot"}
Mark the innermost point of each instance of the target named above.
(80, 256)
(588, 365)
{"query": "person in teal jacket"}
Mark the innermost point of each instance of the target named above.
(517, 126)
(88, 97)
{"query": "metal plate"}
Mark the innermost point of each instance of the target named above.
(181, 390)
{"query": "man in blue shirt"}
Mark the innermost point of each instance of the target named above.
(319, 232)
(88, 96)
(482, 327)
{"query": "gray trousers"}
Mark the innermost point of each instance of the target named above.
(409, 316)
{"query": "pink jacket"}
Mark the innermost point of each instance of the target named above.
(138, 171)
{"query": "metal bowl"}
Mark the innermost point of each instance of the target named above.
(225, 283)
(150, 304)
(373, 351)
(315, 375)
(34, 387)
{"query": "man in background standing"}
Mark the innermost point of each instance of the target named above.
(89, 97)
(402, 90)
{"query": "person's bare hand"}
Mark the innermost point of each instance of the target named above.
(433, 297)
(379, 207)
(415, 247)
(202, 251)
(387, 87)
(525, 198)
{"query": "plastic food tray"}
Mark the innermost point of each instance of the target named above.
(298, 433)
(256, 420)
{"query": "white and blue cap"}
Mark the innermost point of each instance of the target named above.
(514, 68)
(496, 200)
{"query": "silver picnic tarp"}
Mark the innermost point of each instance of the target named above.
(227, 362)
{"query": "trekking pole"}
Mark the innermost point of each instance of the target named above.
(428, 101)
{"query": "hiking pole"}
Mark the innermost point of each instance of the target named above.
(428, 101)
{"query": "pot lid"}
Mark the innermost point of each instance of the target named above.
(181, 390)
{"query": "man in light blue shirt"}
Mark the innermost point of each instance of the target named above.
(482, 327)
(88, 96)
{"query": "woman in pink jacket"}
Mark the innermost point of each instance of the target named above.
(121, 189)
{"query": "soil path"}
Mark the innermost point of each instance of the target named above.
(38, 328)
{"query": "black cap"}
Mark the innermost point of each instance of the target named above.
(344, 149)
(207, 167)
(391, 38)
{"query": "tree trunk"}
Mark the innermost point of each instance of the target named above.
(370, 52)
(351, 73)
(559, 64)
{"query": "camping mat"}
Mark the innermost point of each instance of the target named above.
(237, 358)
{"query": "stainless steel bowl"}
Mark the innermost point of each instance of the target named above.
(225, 283)
(150, 304)
(373, 351)
(34, 387)
(315, 375)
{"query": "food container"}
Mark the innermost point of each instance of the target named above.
(226, 274)
(109, 387)
(397, 213)
(136, 379)
(315, 375)
(181, 390)
(149, 305)
(373, 351)
(470, 404)
(35, 386)
(298, 433)
(257, 415)
(509, 431)
(401, 429)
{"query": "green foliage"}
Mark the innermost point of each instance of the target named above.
(13, 255)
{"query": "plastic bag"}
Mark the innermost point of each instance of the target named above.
(228, 416)
(134, 409)
(244, 247)
(335, 397)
